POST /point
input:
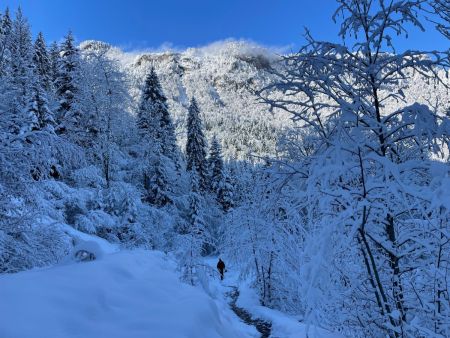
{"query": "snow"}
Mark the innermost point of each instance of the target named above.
(125, 294)
(283, 325)
(94, 244)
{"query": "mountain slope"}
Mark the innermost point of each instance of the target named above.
(221, 76)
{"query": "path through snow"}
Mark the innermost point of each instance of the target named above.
(245, 303)
(264, 327)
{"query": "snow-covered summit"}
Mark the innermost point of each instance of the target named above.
(221, 76)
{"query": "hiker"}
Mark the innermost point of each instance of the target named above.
(221, 267)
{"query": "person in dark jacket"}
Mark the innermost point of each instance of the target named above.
(221, 268)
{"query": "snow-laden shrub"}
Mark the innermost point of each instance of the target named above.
(90, 222)
(90, 176)
(38, 246)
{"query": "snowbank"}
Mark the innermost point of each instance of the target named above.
(126, 294)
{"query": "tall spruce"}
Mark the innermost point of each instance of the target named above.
(69, 115)
(41, 61)
(196, 145)
(16, 76)
(154, 120)
(158, 191)
(158, 134)
(54, 58)
(21, 58)
(215, 164)
(225, 195)
(38, 111)
(195, 236)
(5, 41)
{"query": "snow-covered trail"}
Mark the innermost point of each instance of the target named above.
(228, 289)
(128, 294)
(264, 327)
(134, 294)
(246, 300)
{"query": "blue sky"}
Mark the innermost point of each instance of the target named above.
(150, 24)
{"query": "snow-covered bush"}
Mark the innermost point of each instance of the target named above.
(90, 176)
(33, 246)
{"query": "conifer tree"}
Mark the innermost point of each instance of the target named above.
(196, 145)
(16, 76)
(21, 58)
(154, 121)
(158, 189)
(54, 59)
(157, 132)
(225, 195)
(69, 115)
(196, 235)
(215, 165)
(5, 41)
(41, 61)
(38, 111)
(6, 93)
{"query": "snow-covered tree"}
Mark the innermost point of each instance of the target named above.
(41, 84)
(67, 85)
(196, 145)
(264, 237)
(5, 41)
(54, 60)
(38, 108)
(154, 120)
(41, 62)
(158, 139)
(442, 10)
(194, 237)
(368, 184)
(215, 164)
(104, 100)
(21, 59)
(225, 193)
(157, 187)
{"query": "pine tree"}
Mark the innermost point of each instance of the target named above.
(5, 41)
(196, 145)
(157, 132)
(16, 76)
(38, 111)
(54, 59)
(215, 165)
(38, 104)
(41, 60)
(21, 58)
(154, 121)
(196, 236)
(225, 195)
(158, 182)
(6, 93)
(69, 115)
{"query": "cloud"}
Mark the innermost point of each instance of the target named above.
(231, 45)
(142, 47)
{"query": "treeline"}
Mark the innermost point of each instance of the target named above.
(75, 152)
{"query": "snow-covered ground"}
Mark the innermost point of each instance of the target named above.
(131, 294)
(283, 325)
(127, 294)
